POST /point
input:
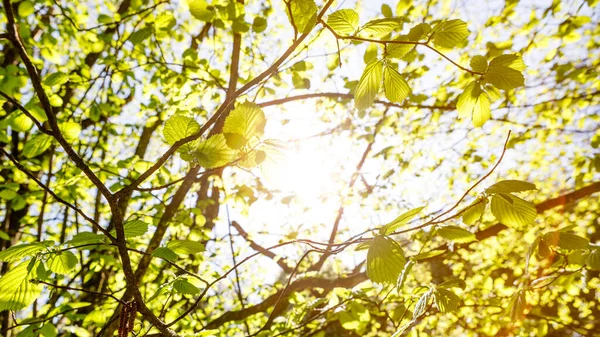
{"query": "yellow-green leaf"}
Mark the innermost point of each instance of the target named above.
(398, 50)
(474, 101)
(245, 123)
(62, 262)
(450, 33)
(385, 260)
(214, 152)
(419, 32)
(510, 186)
(369, 84)
(17, 292)
(381, 27)
(445, 300)
(401, 220)
(456, 234)
(479, 63)
(200, 10)
(475, 211)
(303, 14)
(37, 145)
(20, 251)
(344, 21)
(396, 88)
(517, 214)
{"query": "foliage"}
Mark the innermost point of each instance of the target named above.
(220, 168)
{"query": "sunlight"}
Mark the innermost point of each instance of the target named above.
(307, 169)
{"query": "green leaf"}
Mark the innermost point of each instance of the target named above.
(479, 63)
(475, 211)
(474, 101)
(85, 238)
(593, 259)
(70, 131)
(369, 84)
(200, 10)
(17, 292)
(419, 32)
(7, 194)
(396, 88)
(178, 127)
(429, 254)
(566, 241)
(405, 271)
(37, 145)
(132, 229)
(516, 306)
(400, 221)
(48, 330)
(162, 289)
(381, 27)
(344, 21)
(214, 152)
(25, 8)
(62, 262)
(362, 246)
(422, 305)
(385, 260)
(517, 214)
(21, 123)
(140, 35)
(57, 78)
(512, 61)
(259, 24)
(303, 14)
(20, 251)
(454, 282)
(4, 236)
(446, 300)
(398, 50)
(504, 72)
(510, 186)
(165, 253)
(183, 286)
(245, 123)
(456, 234)
(504, 78)
(185, 247)
(450, 33)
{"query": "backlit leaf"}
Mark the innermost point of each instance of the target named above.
(132, 229)
(479, 63)
(450, 33)
(246, 122)
(165, 253)
(183, 286)
(214, 152)
(344, 21)
(381, 27)
(456, 234)
(517, 214)
(62, 262)
(400, 221)
(396, 88)
(516, 306)
(303, 14)
(369, 84)
(185, 247)
(510, 186)
(385, 260)
(474, 102)
(445, 300)
(475, 211)
(17, 292)
(37, 145)
(20, 251)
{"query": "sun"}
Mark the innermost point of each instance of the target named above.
(309, 166)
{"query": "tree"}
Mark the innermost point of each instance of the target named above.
(231, 168)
